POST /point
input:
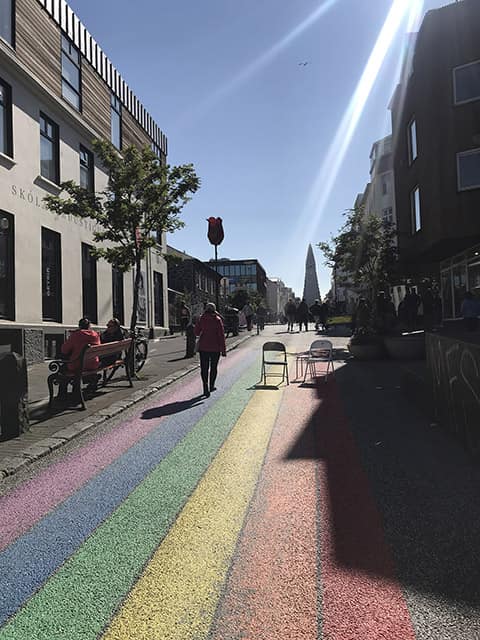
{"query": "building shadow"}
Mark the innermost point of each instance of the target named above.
(171, 408)
(403, 497)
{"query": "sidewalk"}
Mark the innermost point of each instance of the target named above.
(166, 364)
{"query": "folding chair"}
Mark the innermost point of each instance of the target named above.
(270, 360)
(320, 351)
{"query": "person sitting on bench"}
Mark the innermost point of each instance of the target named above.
(112, 333)
(72, 348)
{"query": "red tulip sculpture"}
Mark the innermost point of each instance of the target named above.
(215, 231)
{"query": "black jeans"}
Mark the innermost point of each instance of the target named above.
(209, 361)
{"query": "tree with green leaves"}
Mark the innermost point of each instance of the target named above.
(364, 251)
(143, 197)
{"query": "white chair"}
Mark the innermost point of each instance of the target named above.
(278, 358)
(320, 351)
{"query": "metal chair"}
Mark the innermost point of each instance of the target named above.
(320, 351)
(280, 361)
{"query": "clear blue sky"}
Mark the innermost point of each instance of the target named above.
(222, 79)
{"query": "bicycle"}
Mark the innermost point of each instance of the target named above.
(140, 350)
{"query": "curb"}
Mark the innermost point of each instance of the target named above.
(10, 466)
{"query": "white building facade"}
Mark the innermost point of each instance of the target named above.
(58, 92)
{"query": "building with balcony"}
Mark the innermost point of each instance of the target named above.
(58, 92)
(436, 153)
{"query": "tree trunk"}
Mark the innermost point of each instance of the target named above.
(136, 286)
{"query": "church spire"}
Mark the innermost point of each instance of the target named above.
(311, 290)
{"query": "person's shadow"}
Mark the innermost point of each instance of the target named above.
(170, 409)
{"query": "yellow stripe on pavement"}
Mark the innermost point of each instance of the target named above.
(177, 595)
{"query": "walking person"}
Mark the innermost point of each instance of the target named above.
(185, 315)
(290, 313)
(316, 311)
(248, 313)
(302, 315)
(209, 329)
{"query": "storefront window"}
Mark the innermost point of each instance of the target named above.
(6, 266)
(474, 278)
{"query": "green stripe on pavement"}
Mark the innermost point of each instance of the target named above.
(78, 601)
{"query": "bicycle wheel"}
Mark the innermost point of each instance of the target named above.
(141, 351)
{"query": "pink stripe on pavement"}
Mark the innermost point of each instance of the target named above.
(29, 502)
(361, 597)
(272, 590)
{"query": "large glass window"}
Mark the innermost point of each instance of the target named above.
(116, 121)
(158, 298)
(415, 210)
(49, 149)
(466, 82)
(468, 170)
(51, 276)
(89, 281)
(71, 79)
(459, 273)
(86, 170)
(7, 21)
(7, 277)
(6, 138)
(412, 141)
(117, 294)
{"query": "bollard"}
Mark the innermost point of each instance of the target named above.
(13, 395)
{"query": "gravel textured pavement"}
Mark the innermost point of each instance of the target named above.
(330, 511)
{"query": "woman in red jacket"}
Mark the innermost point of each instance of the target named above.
(211, 344)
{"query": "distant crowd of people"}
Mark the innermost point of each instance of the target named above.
(302, 314)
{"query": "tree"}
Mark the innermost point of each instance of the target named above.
(364, 251)
(143, 197)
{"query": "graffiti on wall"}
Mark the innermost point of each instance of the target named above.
(454, 372)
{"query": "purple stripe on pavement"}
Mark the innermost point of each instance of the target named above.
(33, 499)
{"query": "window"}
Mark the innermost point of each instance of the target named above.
(116, 121)
(71, 80)
(51, 276)
(7, 21)
(7, 273)
(89, 280)
(6, 143)
(158, 299)
(412, 141)
(387, 215)
(117, 295)
(466, 82)
(415, 210)
(86, 170)
(468, 170)
(49, 149)
(384, 187)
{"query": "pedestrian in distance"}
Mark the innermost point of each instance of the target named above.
(209, 329)
(290, 313)
(248, 313)
(302, 315)
(316, 312)
(185, 316)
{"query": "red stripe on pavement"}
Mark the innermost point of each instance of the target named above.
(271, 593)
(361, 598)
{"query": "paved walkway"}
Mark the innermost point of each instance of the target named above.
(316, 511)
(166, 363)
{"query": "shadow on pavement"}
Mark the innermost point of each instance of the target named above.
(171, 408)
(403, 496)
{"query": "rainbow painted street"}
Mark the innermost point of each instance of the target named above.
(316, 510)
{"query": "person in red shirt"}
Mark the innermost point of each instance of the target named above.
(209, 329)
(72, 348)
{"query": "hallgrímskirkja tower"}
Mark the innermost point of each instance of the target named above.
(311, 290)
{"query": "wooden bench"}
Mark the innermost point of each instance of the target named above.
(61, 375)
